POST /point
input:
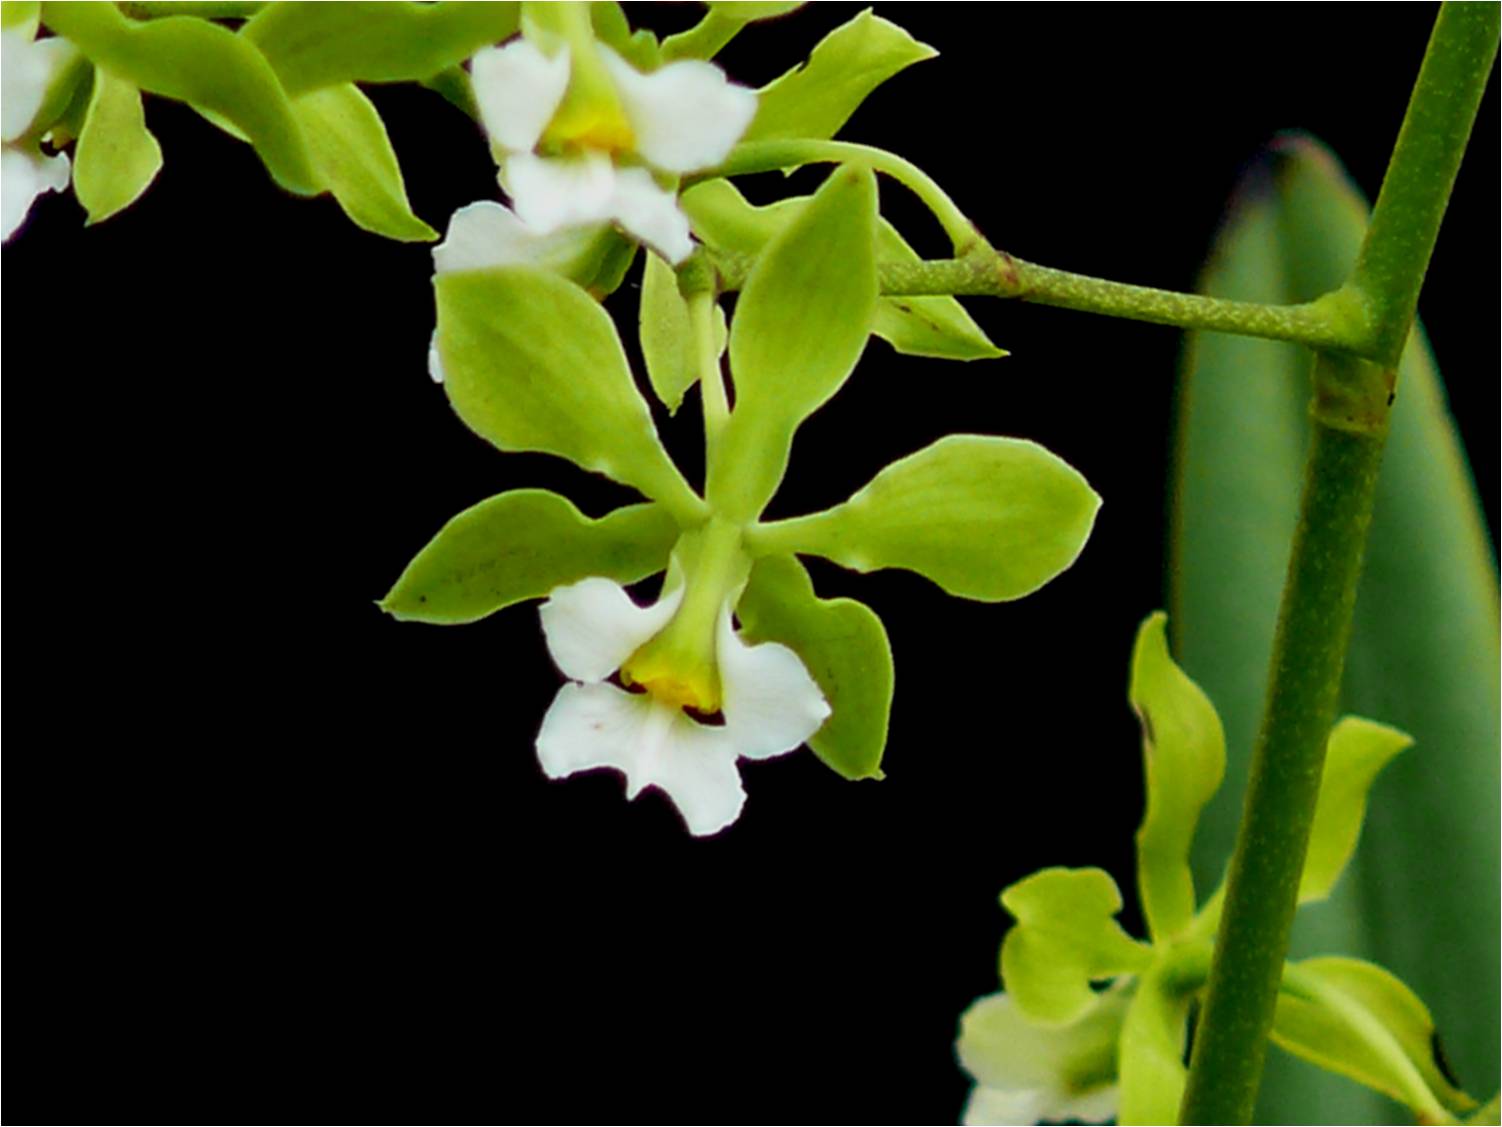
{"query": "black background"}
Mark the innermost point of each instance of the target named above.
(274, 855)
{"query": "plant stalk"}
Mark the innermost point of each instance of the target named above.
(1350, 409)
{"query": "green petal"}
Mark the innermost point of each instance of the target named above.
(1152, 1051)
(1065, 938)
(315, 45)
(532, 363)
(1184, 757)
(667, 343)
(817, 98)
(915, 326)
(1355, 1018)
(800, 326)
(354, 159)
(845, 648)
(1358, 749)
(203, 64)
(117, 157)
(521, 545)
(984, 518)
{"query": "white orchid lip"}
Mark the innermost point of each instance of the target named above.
(27, 67)
(599, 168)
(770, 705)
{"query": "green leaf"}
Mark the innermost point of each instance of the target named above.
(532, 363)
(667, 342)
(1424, 646)
(845, 648)
(745, 11)
(203, 64)
(800, 326)
(985, 518)
(117, 157)
(354, 160)
(915, 326)
(315, 45)
(1151, 1064)
(1065, 938)
(1355, 1018)
(1184, 758)
(1358, 749)
(521, 545)
(817, 98)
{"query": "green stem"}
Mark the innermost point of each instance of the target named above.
(1327, 323)
(1425, 161)
(204, 9)
(771, 156)
(707, 359)
(1350, 420)
(1262, 888)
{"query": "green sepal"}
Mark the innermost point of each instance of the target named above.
(531, 362)
(315, 45)
(69, 90)
(983, 517)
(799, 328)
(745, 11)
(203, 64)
(453, 85)
(1153, 1034)
(21, 13)
(639, 48)
(521, 545)
(1184, 759)
(117, 157)
(667, 342)
(1065, 939)
(935, 326)
(817, 98)
(354, 160)
(844, 646)
(1357, 1019)
(1357, 751)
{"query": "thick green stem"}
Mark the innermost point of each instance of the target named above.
(1328, 323)
(1350, 413)
(1425, 160)
(707, 359)
(1262, 889)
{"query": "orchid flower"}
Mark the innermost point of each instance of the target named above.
(769, 702)
(585, 152)
(1029, 1073)
(27, 68)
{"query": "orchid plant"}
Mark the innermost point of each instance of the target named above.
(617, 153)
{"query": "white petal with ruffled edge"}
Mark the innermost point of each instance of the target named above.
(686, 115)
(771, 704)
(518, 90)
(651, 214)
(25, 175)
(485, 234)
(553, 192)
(593, 726)
(593, 626)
